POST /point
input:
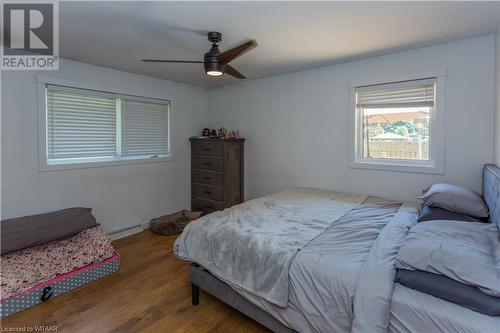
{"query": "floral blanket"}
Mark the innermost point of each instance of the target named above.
(26, 268)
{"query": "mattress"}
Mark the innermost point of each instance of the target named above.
(24, 269)
(59, 285)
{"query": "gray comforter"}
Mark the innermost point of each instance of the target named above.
(372, 300)
(251, 246)
(324, 274)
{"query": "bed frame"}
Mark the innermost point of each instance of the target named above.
(201, 278)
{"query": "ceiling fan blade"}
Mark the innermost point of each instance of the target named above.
(233, 72)
(233, 53)
(174, 61)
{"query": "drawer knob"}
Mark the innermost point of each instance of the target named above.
(207, 192)
(207, 149)
(207, 206)
(206, 163)
(208, 178)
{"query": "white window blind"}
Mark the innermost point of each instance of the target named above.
(144, 128)
(415, 93)
(84, 126)
(80, 124)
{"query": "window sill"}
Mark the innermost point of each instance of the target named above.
(398, 166)
(71, 165)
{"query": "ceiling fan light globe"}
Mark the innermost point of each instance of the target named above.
(214, 73)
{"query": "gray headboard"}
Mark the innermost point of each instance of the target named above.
(491, 191)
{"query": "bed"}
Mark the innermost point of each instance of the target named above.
(341, 280)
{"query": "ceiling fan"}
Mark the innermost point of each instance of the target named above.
(216, 62)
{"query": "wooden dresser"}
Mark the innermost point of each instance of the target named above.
(216, 173)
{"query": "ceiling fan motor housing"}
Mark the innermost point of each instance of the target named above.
(214, 67)
(211, 59)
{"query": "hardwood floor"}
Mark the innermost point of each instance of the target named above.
(150, 293)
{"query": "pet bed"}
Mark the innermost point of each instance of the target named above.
(174, 223)
(59, 285)
(35, 274)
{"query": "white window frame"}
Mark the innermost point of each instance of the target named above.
(436, 162)
(44, 165)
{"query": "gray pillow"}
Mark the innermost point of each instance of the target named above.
(22, 232)
(430, 213)
(466, 252)
(456, 199)
(448, 289)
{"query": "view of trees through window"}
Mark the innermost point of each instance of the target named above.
(397, 133)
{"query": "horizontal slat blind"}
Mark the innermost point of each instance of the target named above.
(417, 93)
(144, 128)
(80, 124)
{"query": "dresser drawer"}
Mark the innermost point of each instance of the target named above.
(208, 178)
(206, 205)
(209, 192)
(208, 163)
(212, 149)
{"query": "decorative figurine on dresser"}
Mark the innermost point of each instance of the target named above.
(216, 171)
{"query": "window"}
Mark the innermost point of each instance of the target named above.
(87, 126)
(398, 126)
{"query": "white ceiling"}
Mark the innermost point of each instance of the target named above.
(292, 36)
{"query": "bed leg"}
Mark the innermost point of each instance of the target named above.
(195, 294)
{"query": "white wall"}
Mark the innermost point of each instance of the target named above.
(121, 196)
(497, 91)
(296, 127)
(296, 124)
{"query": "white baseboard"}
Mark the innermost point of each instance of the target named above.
(117, 234)
(145, 225)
